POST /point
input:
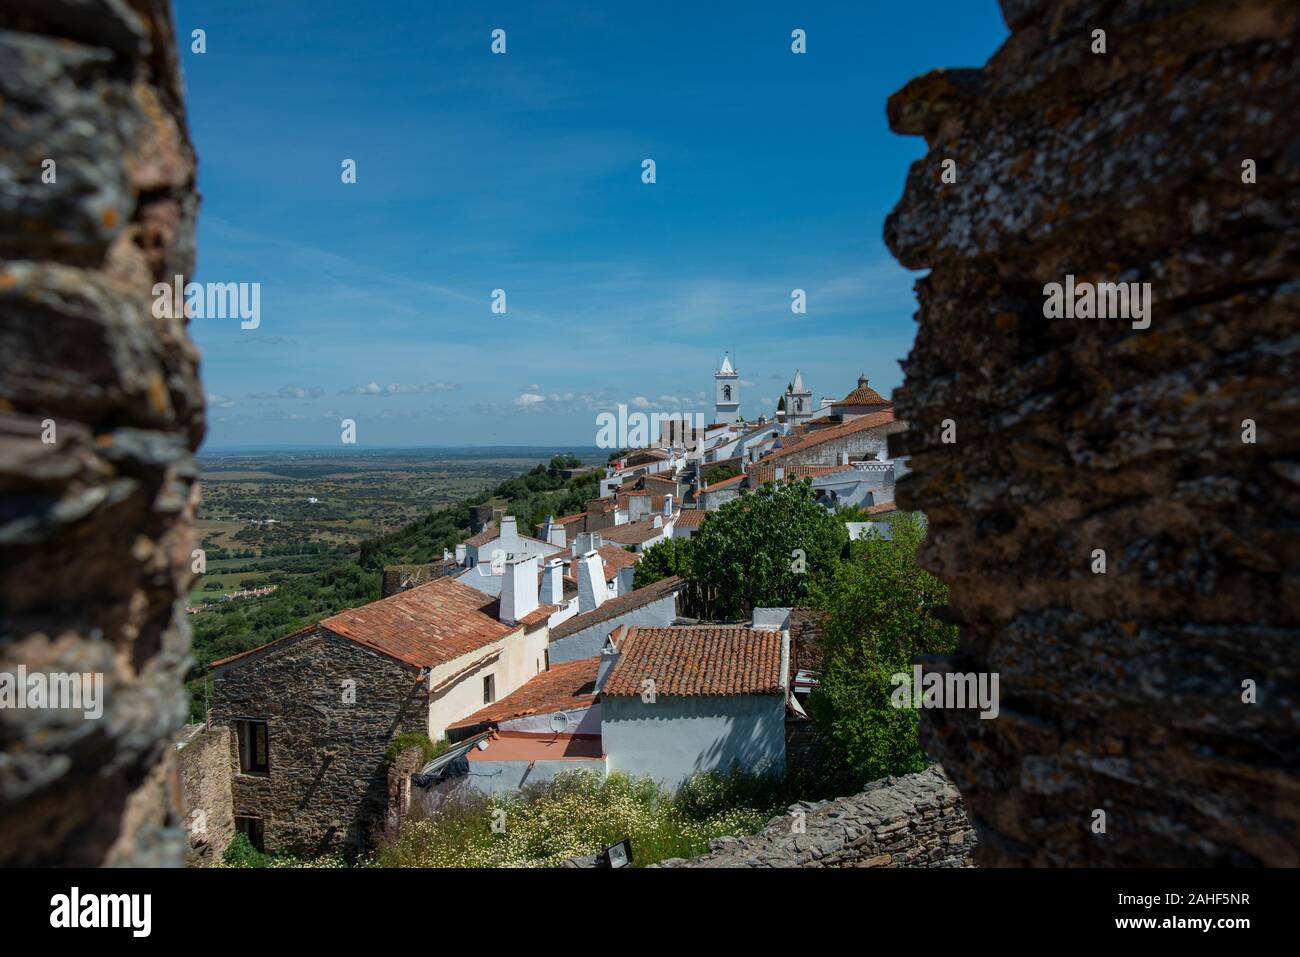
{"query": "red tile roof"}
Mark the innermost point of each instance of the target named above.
(863, 395)
(691, 518)
(426, 625)
(619, 605)
(615, 559)
(724, 483)
(690, 660)
(853, 426)
(567, 686)
(634, 533)
(483, 537)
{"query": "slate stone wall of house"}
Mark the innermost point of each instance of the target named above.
(1121, 692)
(912, 821)
(205, 773)
(327, 788)
(100, 412)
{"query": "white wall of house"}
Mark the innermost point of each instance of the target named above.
(674, 738)
(513, 660)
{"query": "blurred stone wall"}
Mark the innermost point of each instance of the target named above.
(100, 412)
(1121, 692)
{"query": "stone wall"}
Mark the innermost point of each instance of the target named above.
(328, 783)
(205, 770)
(1121, 692)
(399, 790)
(100, 410)
(911, 821)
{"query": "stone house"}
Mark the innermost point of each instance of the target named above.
(312, 714)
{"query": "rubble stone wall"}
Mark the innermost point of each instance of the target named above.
(1125, 692)
(912, 821)
(205, 768)
(100, 412)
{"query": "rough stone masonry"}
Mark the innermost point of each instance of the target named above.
(911, 821)
(1173, 157)
(100, 411)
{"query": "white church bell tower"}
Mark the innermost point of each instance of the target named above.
(726, 391)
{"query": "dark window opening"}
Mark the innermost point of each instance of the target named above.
(489, 689)
(251, 828)
(254, 747)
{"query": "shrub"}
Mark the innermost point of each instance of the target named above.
(579, 812)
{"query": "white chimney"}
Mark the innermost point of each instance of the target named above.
(638, 507)
(553, 582)
(591, 582)
(844, 458)
(519, 589)
(668, 505)
(659, 521)
(559, 536)
(509, 542)
(609, 656)
(460, 553)
(778, 474)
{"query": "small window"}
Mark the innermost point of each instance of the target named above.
(251, 828)
(489, 688)
(254, 747)
(546, 657)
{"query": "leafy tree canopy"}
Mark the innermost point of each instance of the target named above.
(880, 615)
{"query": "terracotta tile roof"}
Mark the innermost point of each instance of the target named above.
(762, 474)
(616, 559)
(853, 426)
(691, 518)
(567, 519)
(690, 660)
(426, 625)
(862, 395)
(735, 479)
(483, 537)
(567, 686)
(882, 507)
(539, 615)
(618, 606)
(633, 533)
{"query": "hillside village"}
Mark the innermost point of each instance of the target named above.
(525, 652)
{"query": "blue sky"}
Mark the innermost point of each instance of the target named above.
(522, 172)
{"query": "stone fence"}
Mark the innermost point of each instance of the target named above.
(912, 821)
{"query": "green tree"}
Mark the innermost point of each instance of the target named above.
(670, 557)
(880, 615)
(720, 473)
(763, 549)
